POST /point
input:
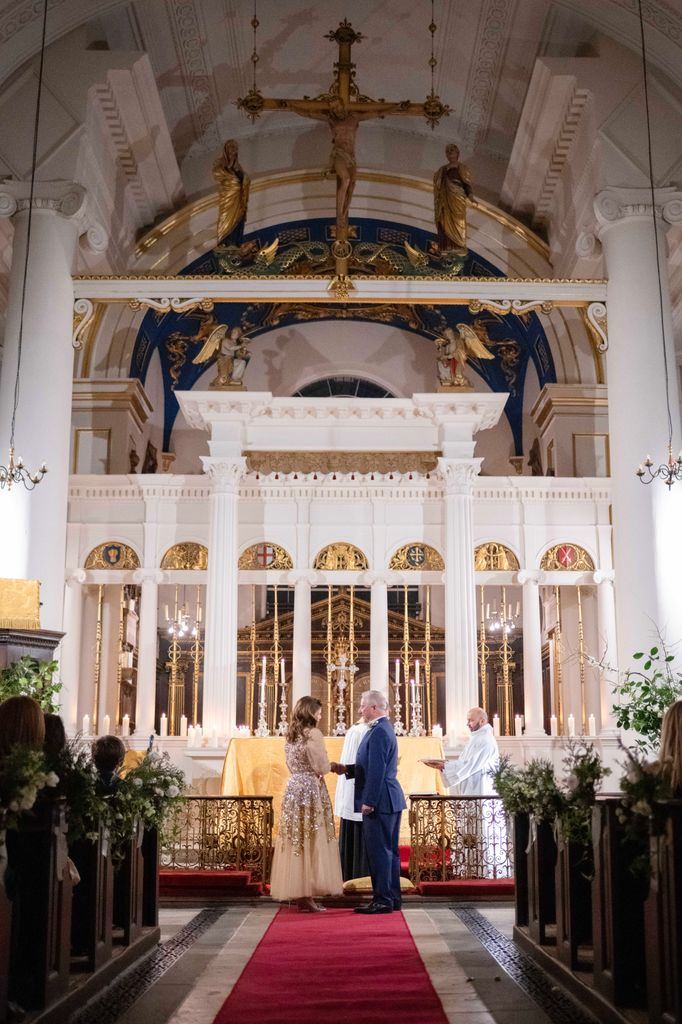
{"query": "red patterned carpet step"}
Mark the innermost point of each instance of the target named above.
(208, 883)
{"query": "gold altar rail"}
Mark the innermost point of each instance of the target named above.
(212, 833)
(458, 837)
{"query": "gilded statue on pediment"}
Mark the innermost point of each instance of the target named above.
(451, 191)
(233, 193)
(454, 349)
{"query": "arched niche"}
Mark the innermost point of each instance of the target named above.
(341, 556)
(495, 557)
(265, 555)
(112, 555)
(416, 557)
(567, 557)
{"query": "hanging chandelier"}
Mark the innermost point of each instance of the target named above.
(15, 472)
(670, 470)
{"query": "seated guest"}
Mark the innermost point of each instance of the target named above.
(22, 724)
(670, 758)
(55, 740)
(107, 755)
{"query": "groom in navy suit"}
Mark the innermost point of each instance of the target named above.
(381, 801)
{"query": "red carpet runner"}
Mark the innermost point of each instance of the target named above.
(333, 967)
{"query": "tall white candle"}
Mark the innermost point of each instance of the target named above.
(125, 725)
(198, 736)
(86, 725)
(397, 671)
(437, 731)
(412, 691)
(553, 726)
(416, 674)
(281, 673)
(190, 737)
(183, 725)
(264, 664)
(496, 725)
(106, 725)
(518, 725)
(262, 687)
(214, 738)
(163, 725)
(592, 726)
(165, 613)
(571, 725)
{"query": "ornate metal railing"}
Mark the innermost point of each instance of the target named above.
(212, 833)
(458, 837)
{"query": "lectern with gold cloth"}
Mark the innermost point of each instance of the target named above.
(256, 767)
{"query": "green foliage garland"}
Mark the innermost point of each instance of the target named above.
(647, 695)
(31, 678)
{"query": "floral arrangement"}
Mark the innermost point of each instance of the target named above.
(534, 790)
(144, 797)
(78, 782)
(22, 775)
(584, 774)
(641, 786)
(647, 695)
(30, 677)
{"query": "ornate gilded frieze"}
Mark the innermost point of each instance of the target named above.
(112, 555)
(265, 556)
(415, 557)
(493, 556)
(342, 462)
(567, 557)
(341, 556)
(186, 555)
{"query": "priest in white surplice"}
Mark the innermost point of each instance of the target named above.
(469, 772)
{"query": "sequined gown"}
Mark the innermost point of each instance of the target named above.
(306, 858)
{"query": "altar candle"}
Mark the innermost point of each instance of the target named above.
(397, 671)
(86, 725)
(496, 725)
(214, 738)
(262, 687)
(571, 726)
(264, 665)
(198, 736)
(183, 725)
(106, 725)
(412, 691)
(165, 613)
(591, 726)
(190, 737)
(416, 674)
(163, 725)
(125, 725)
(553, 726)
(281, 673)
(518, 725)
(437, 731)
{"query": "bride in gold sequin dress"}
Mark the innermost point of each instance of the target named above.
(306, 859)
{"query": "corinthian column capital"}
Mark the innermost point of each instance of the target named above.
(459, 475)
(225, 474)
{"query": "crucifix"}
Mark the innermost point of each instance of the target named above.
(341, 669)
(343, 107)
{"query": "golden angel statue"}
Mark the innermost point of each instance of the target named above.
(451, 190)
(229, 346)
(233, 193)
(454, 349)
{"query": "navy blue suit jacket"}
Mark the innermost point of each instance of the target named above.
(375, 768)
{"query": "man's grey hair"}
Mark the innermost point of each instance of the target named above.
(376, 697)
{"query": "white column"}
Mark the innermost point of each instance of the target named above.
(69, 661)
(147, 649)
(647, 552)
(33, 525)
(461, 670)
(301, 661)
(608, 650)
(378, 633)
(532, 655)
(220, 661)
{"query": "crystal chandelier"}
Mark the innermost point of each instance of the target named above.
(181, 624)
(502, 622)
(670, 470)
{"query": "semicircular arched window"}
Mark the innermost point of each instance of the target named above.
(567, 557)
(339, 387)
(493, 557)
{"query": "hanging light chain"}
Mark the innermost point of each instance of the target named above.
(434, 109)
(254, 56)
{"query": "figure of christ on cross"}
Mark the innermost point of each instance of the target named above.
(343, 108)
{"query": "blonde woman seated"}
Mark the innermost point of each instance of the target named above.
(306, 860)
(670, 757)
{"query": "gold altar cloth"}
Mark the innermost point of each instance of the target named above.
(255, 766)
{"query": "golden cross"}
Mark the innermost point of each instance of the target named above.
(343, 108)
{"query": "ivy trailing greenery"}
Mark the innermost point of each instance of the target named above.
(23, 774)
(645, 696)
(145, 796)
(30, 677)
(642, 785)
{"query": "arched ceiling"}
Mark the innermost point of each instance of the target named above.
(200, 54)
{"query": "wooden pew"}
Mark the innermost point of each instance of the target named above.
(129, 892)
(663, 916)
(573, 900)
(542, 855)
(521, 836)
(91, 922)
